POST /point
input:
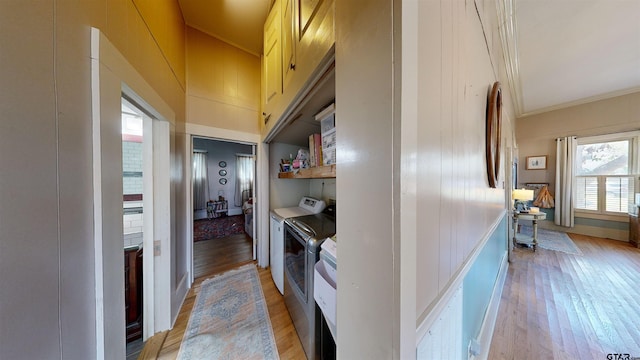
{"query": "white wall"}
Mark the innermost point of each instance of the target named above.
(323, 189)
(416, 190)
(367, 158)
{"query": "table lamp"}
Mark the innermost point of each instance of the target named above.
(520, 197)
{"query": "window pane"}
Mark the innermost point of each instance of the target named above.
(618, 194)
(609, 158)
(587, 193)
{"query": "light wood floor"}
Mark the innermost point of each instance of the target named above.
(554, 305)
(213, 257)
(560, 306)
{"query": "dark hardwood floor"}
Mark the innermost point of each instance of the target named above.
(560, 306)
(213, 257)
(210, 256)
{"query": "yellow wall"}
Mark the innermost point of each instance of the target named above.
(46, 215)
(151, 35)
(223, 84)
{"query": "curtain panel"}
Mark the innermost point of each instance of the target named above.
(565, 181)
(200, 181)
(244, 179)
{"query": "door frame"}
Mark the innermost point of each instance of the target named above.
(111, 77)
(261, 194)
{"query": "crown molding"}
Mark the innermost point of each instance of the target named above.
(508, 29)
(583, 101)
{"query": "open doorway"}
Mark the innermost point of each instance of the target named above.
(133, 222)
(223, 183)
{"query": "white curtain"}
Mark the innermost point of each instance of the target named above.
(565, 189)
(200, 181)
(244, 178)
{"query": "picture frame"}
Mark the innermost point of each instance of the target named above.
(538, 162)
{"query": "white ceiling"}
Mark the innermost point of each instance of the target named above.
(237, 22)
(564, 52)
(575, 51)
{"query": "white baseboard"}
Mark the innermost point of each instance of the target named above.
(491, 315)
(180, 295)
(606, 233)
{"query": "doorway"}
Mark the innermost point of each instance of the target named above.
(133, 222)
(223, 183)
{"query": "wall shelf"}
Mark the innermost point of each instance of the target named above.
(318, 172)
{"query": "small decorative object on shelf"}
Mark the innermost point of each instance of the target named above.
(318, 172)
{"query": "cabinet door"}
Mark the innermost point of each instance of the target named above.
(288, 41)
(307, 11)
(272, 57)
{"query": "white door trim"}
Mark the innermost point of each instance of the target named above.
(112, 75)
(261, 217)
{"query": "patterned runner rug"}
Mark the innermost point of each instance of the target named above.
(230, 320)
(553, 240)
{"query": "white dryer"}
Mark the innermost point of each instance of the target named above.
(306, 206)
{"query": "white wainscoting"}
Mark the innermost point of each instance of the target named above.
(443, 340)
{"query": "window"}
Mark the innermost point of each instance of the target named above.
(605, 168)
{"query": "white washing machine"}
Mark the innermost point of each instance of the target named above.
(307, 206)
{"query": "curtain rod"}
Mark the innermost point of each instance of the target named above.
(196, 151)
(562, 138)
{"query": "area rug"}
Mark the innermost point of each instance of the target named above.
(553, 240)
(206, 229)
(230, 320)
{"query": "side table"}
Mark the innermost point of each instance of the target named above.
(525, 239)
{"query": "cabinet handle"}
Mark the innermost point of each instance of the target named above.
(266, 117)
(292, 66)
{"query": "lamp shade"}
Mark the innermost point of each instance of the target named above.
(522, 194)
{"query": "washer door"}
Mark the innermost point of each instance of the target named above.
(295, 262)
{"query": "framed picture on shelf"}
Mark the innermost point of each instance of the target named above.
(537, 162)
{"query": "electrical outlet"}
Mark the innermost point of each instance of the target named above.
(156, 248)
(474, 348)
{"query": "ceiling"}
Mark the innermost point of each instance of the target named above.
(237, 22)
(574, 51)
(561, 52)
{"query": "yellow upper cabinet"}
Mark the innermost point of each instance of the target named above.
(296, 55)
(272, 59)
(288, 41)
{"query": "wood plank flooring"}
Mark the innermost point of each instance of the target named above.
(554, 305)
(560, 306)
(213, 257)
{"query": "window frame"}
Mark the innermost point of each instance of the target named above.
(634, 168)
